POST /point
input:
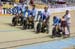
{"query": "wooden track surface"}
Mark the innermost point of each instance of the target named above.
(9, 35)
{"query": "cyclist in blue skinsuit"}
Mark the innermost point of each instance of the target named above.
(45, 18)
(56, 29)
(26, 12)
(34, 11)
(26, 15)
(33, 15)
(56, 21)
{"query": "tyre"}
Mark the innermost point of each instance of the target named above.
(38, 29)
(24, 23)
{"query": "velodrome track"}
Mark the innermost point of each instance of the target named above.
(12, 37)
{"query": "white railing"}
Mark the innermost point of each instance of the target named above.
(58, 10)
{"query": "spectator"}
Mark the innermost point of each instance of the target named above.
(31, 2)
